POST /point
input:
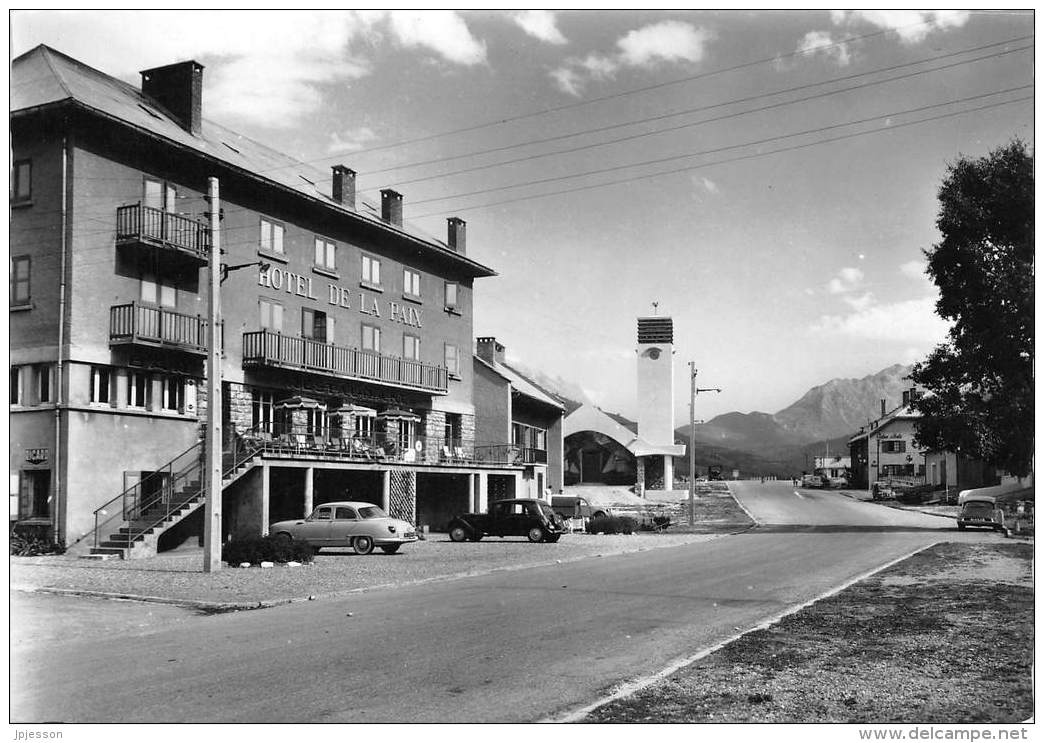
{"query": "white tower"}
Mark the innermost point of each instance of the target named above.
(656, 398)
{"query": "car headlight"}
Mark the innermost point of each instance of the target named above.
(391, 528)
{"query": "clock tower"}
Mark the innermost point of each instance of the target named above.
(656, 403)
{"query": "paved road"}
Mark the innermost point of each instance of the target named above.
(507, 647)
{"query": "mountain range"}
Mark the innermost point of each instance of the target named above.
(781, 443)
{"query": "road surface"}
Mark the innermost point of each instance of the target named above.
(512, 646)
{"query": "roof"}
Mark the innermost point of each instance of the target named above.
(520, 383)
(902, 412)
(44, 77)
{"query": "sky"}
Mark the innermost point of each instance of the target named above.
(766, 178)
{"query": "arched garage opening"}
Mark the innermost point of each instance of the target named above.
(594, 457)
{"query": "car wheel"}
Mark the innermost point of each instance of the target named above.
(390, 549)
(598, 515)
(458, 534)
(536, 534)
(283, 536)
(363, 545)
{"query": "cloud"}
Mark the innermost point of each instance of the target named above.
(847, 280)
(860, 302)
(911, 321)
(705, 184)
(441, 31)
(540, 24)
(822, 43)
(351, 140)
(914, 269)
(911, 26)
(667, 42)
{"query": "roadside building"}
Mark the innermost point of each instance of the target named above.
(513, 410)
(833, 467)
(886, 449)
(345, 329)
(953, 472)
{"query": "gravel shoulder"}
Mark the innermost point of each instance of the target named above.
(945, 636)
(178, 577)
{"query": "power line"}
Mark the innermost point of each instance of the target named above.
(733, 159)
(717, 105)
(724, 117)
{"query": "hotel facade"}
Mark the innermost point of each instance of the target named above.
(346, 334)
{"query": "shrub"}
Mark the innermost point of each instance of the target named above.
(611, 525)
(272, 549)
(30, 541)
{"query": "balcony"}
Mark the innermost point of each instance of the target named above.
(173, 241)
(136, 324)
(265, 348)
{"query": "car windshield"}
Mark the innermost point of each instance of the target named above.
(978, 507)
(371, 512)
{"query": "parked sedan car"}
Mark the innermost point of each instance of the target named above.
(980, 510)
(521, 517)
(361, 526)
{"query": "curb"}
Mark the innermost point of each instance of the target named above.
(633, 686)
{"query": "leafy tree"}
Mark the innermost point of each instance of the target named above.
(980, 380)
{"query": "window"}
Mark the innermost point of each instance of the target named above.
(411, 347)
(271, 315)
(407, 434)
(411, 283)
(894, 447)
(271, 237)
(173, 393)
(139, 390)
(159, 195)
(16, 385)
(363, 426)
(20, 280)
(34, 494)
(158, 291)
(528, 437)
(325, 254)
(316, 326)
(43, 382)
(344, 513)
(453, 360)
(261, 413)
(371, 272)
(452, 430)
(451, 294)
(101, 381)
(371, 338)
(22, 187)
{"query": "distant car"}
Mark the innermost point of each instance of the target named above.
(518, 517)
(361, 526)
(982, 511)
(811, 481)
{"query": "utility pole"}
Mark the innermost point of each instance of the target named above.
(693, 391)
(212, 441)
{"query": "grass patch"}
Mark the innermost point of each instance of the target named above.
(943, 637)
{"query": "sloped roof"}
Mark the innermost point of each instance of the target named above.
(520, 383)
(902, 412)
(45, 77)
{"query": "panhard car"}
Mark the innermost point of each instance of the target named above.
(518, 517)
(361, 526)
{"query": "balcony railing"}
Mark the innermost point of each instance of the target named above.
(155, 326)
(266, 348)
(398, 448)
(150, 226)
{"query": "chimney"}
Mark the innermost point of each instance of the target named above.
(456, 234)
(489, 350)
(883, 409)
(391, 207)
(344, 186)
(906, 398)
(179, 89)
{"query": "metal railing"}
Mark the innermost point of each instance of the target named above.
(267, 348)
(134, 323)
(140, 223)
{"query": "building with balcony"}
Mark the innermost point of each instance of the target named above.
(345, 331)
(886, 448)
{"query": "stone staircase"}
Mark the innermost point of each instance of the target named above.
(139, 537)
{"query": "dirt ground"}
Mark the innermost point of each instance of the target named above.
(943, 637)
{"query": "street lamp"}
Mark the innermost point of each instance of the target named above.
(694, 390)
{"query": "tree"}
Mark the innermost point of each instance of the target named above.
(980, 380)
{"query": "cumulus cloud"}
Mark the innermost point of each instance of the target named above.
(263, 67)
(823, 44)
(441, 31)
(351, 140)
(912, 321)
(667, 42)
(540, 24)
(847, 280)
(911, 26)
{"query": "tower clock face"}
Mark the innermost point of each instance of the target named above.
(653, 353)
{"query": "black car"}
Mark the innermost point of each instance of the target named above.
(520, 517)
